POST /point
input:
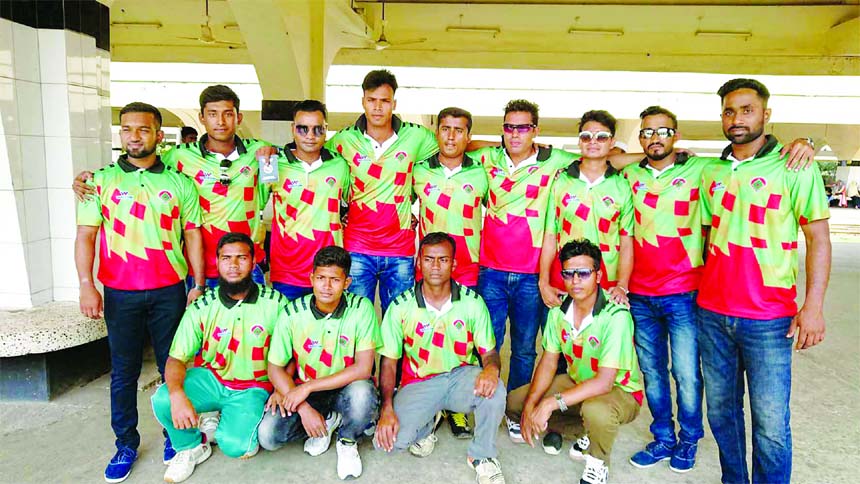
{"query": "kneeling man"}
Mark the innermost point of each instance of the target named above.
(602, 388)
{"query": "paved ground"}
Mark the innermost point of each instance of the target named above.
(69, 439)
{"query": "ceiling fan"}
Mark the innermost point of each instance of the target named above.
(381, 42)
(206, 36)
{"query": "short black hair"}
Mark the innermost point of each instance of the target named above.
(377, 78)
(522, 106)
(186, 131)
(310, 106)
(333, 256)
(579, 247)
(139, 107)
(599, 116)
(236, 238)
(657, 110)
(455, 112)
(741, 83)
(218, 92)
(436, 238)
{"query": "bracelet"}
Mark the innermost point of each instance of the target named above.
(811, 143)
(561, 405)
(626, 291)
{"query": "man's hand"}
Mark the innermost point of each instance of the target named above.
(182, 412)
(312, 421)
(91, 301)
(193, 294)
(800, 154)
(619, 296)
(266, 151)
(486, 382)
(811, 325)
(534, 422)
(275, 403)
(690, 153)
(80, 187)
(386, 429)
(549, 295)
(295, 397)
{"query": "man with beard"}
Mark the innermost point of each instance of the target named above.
(753, 207)
(141, 213)
(226, 333)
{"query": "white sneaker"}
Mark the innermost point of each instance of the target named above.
(208, 424)
(424, 447)
(348, 460)
(488, 471)
(315, 446)
(182, 465)
(514, 431)
(595, 471)
(578, 448)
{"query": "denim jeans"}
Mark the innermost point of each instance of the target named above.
(394, 274)
(659, 321)
(212, 282)
(357, 403)
(129, 315)
(732, 347)
(516, 296)
(290, 291)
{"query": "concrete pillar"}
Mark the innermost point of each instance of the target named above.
(844, 140)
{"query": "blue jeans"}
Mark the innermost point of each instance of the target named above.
(129, 315)
(212, 282)
(516, 296)
(394, 275)
(659, 320)
(357, 403)
(733, 346)
(290, 291)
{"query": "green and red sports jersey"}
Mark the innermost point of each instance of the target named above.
(602, 214)
(453, 205)
(141, 215)
(324, 344)
(306, 214)
(516, 208)
(431, 343)
(380, 208)
(229, 337)
(755, 211)
(607, 342)
(226, 208)
(667, 234)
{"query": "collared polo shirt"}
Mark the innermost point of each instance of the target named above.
(324, 344)
(432, 341)
(141, 215)
(229, 337)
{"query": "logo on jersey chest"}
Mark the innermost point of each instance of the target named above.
(639, 185)
(568, 199)
(421, 328)
(330, 181)
(343, 340)
(608, 201)
(124, 195)
(758, 183)
(165, 195)
(400, 156)
(532, 169)
(257, 330)
(310, 344)
(593, 342)
(678, 182)
(246, 170)
(495, 171)
(716, 186)
(290, 185)
(468, 188)
(430, 188)
(359, 159)
(459, 324)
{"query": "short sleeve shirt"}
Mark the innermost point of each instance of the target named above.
(430, 343)
(229, 337)
(324, 344)
(754, 211)
(380, 207)
(141, 215)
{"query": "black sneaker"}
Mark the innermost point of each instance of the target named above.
(459, 424)
(552, 443)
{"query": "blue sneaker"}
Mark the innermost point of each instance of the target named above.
(653, 453)
(684, 457)
(169, 451)
(119, 467)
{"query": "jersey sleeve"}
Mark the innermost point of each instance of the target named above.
(281, 346)
(625, 224)
(551, 341)
(190, 213)
(89, 211)
(482, 329)
(617, 345)
(189, 335)
(391, 332)
(367, 335)
(427, 145)
(808, 198)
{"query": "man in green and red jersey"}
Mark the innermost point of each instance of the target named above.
(225, 170)
(320, 364)
(381, 151)
(591, 200)
(748, 317)
(226, 333)
(439, 328)
(520, 176)
(312, 183)
(602, 389)
(141, 212)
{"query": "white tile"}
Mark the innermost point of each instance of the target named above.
(25, 43)
(94, 154)
(5, 172)
(13, 302)
(9, 219)
(39, 265)
(74, 64)
(7, 64)
(63, 263)
(36, 210)
(42, 297)
(107, 153)
(89, 62)
(52, 56)
(28, 96)
(77, 112)
(106, 118)
(8, 107)
(61, 209)
(12, 154)
(33, 162)
(55, 109)
(66, 294)
(92, 107)
(22, 215)
(58, 161)
(80, 155)
(104, 71)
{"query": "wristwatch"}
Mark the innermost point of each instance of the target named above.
(201, 287)
(561, 405)
(811, 143)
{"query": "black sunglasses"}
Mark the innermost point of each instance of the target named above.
(582, 273)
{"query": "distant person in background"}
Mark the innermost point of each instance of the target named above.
(838, 194)
(852, 194)
(187, 135)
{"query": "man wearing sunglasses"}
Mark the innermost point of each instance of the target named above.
(590, 200)
(602, 389)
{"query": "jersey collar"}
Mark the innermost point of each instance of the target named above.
(240, 146)
(543, 153)
(338, 311)
(157, 167)
(396, 123)
(433, 161)
(419, 294)
(769, 144)
(680, 159)
(229, 302)
(599, 304)
(325, 154)
(573, 169)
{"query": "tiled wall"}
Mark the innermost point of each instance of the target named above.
(55, 110)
